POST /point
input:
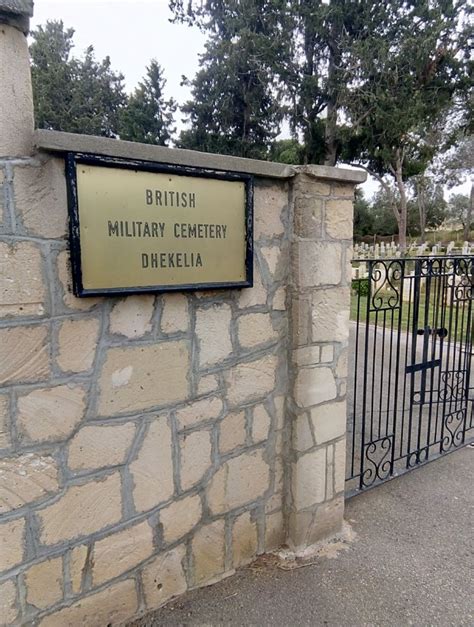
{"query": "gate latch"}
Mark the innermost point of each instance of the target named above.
(442, 332)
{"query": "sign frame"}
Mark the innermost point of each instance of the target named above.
(73, 159)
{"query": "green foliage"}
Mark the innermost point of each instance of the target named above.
(360, 287)
(147, 116)
(70, 94)
(363, 217)
(287, 151)
(52, 70)
(458, 209)
(234, 107)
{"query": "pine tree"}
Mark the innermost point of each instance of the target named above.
(72, 94)
(148, 117)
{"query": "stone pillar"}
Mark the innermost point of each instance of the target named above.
(320, 295)
(16, 102)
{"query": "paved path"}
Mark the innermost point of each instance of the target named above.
(411, 564)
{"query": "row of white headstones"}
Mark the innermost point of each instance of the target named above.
(391, 249)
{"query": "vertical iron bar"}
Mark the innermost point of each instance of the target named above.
(364, 394)
(416, 307)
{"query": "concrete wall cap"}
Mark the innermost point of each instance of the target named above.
(17, 7)
(16, 13)
(56, 141)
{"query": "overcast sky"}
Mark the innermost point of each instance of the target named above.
(132, 32)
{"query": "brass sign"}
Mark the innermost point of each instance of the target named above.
(146, 227)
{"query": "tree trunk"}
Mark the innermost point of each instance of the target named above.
(402, 210)
(330, 133)
(422, 212)
(467, 224)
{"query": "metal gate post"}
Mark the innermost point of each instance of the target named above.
(321, 251)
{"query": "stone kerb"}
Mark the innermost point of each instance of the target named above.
(320, 293)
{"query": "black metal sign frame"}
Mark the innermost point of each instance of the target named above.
(75, 158)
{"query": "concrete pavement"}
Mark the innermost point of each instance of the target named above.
(411, 563)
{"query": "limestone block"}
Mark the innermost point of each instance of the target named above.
(12, 535)
(327, 353)
(308, 528)
(25, 479)
(213, 334)
(131, 316)
(341, 367)
(52, 413)
(260, 424)
(24, 354)
(77, 340)
(240, 480)
(163, 578)
(256, 295)
(16, 123)
(195, 454)
(328, 519)
(65, 278)
(121, 551)
(330, 315)
(142, 377)
(8, 605)
(208, 547)
(329, 421)
(301, 319)
(232, 432)
(269, 201)
(302, 435)
(22, 291)
(251, 380)
(113, 606)
(339, 219)
(82, 510)
(280, 412)
(5, 439)
(99, 446)
(254, 329)
(308, 479)
(320, 188)
(341, 189)
(40, 198)
(272, 258)
(307, 355)
(44, 583)
(152, 470)
(314, 386)
(308, 218)
(299, 528)
(305, 185)
(244, 540)
(77, 565)
(180, 517)
(3, 217)
(279, 300)
(339, 465)
(193, 414)
(317, 263)
(175, 315)
(209, 383)
(274, 531)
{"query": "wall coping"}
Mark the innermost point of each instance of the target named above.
(57, 141)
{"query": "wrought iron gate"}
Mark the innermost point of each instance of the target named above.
(410, 390)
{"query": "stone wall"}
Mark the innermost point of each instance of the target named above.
(142, 436)
(153, 444)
